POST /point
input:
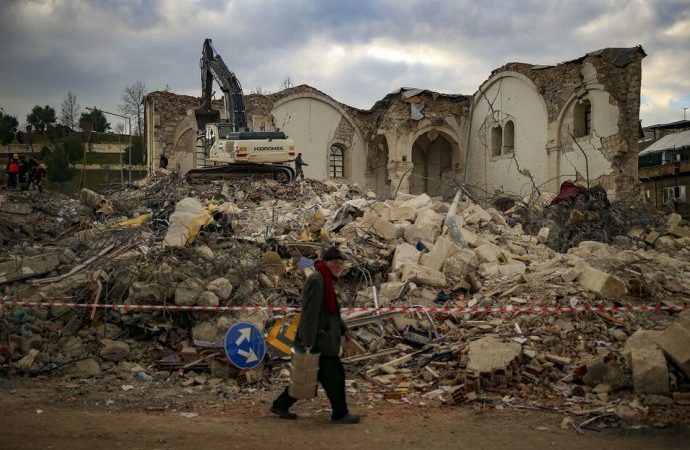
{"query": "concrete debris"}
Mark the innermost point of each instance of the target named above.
(28, 267)
(649, 369)
(253, 243)
(602, 283)
(675, 342)
(114, 350)
(490, 354)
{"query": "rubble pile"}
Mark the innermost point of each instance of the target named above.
(252, 243)
(577, 214)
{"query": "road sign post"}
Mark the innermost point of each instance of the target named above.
(245, 345)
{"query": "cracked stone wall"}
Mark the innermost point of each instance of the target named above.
(387, 147)
(610, 80)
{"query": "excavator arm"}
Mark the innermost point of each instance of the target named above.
(213, 68)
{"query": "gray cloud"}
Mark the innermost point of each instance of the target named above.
(355, 51)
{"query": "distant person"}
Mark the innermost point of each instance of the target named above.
(299, 162)
(37, 175)
(163, 162)
(12, 171)
(23, 174)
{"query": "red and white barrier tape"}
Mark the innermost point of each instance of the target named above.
(394, 309)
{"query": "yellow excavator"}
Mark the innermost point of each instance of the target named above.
(234, 150)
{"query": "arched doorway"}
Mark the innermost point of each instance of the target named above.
(432, 159)
(378, 165)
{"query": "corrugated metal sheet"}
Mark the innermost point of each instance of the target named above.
(668, 142)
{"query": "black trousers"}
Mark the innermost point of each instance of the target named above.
(332, 378)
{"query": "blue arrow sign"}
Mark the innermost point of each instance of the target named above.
(244, 345)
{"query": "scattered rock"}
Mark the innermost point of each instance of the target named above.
(114, 350)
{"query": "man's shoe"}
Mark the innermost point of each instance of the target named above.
(348, 418)
(284, 413)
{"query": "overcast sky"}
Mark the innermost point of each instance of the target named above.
(354, 50)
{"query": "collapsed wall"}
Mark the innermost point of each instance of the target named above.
(534, 127)
(526, 130)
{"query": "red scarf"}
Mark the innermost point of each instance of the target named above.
(329, 290)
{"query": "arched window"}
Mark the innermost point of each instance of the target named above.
(509, 138)
(496, 140)
(582, 118)
(336, 162)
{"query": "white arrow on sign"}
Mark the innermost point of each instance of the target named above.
(250, 355)
(245, 335)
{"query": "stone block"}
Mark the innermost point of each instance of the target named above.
(205, 331)
(460, 263)
(22, 209)
(543, 234)
(604, 369)
(489, 269)
(143, 293)
(221, 287)
(673, 219)
(413, 201)
(205, 252)
(423, 275)
(187, 292)
(379, 226)
(28, 267)
(208, 298)
(512, 268)
(391, 290)
(400, 213)
(570, 275)
(475, 215)
(489, 354)
(649, 369)
(443, 248)
(427, 227)
(678, 231)
(487, 253)
(665, 244)
(602, 283)
(114, 350)
(404, 254)
(497, 217)
(88, 368)
(472, 238)
(675, 342)
(652, 237)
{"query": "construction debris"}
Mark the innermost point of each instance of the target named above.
(250, 243)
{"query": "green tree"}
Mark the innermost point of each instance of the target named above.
(57, 133)
(58, 165)
(94, 121)
(74, 147)
(8, 128)
(40, 118)
(138, 154)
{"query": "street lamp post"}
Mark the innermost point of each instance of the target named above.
(129, 121)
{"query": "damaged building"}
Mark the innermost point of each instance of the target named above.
(527, 129)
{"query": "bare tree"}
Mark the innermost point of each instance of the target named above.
(287, 83)
(133, 105)
(120, 128)
(69, 111)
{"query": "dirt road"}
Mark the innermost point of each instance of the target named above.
(234, 424)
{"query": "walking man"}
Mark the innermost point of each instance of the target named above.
(299, 162)
(320, 329)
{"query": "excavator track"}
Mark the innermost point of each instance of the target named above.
(282, 174)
